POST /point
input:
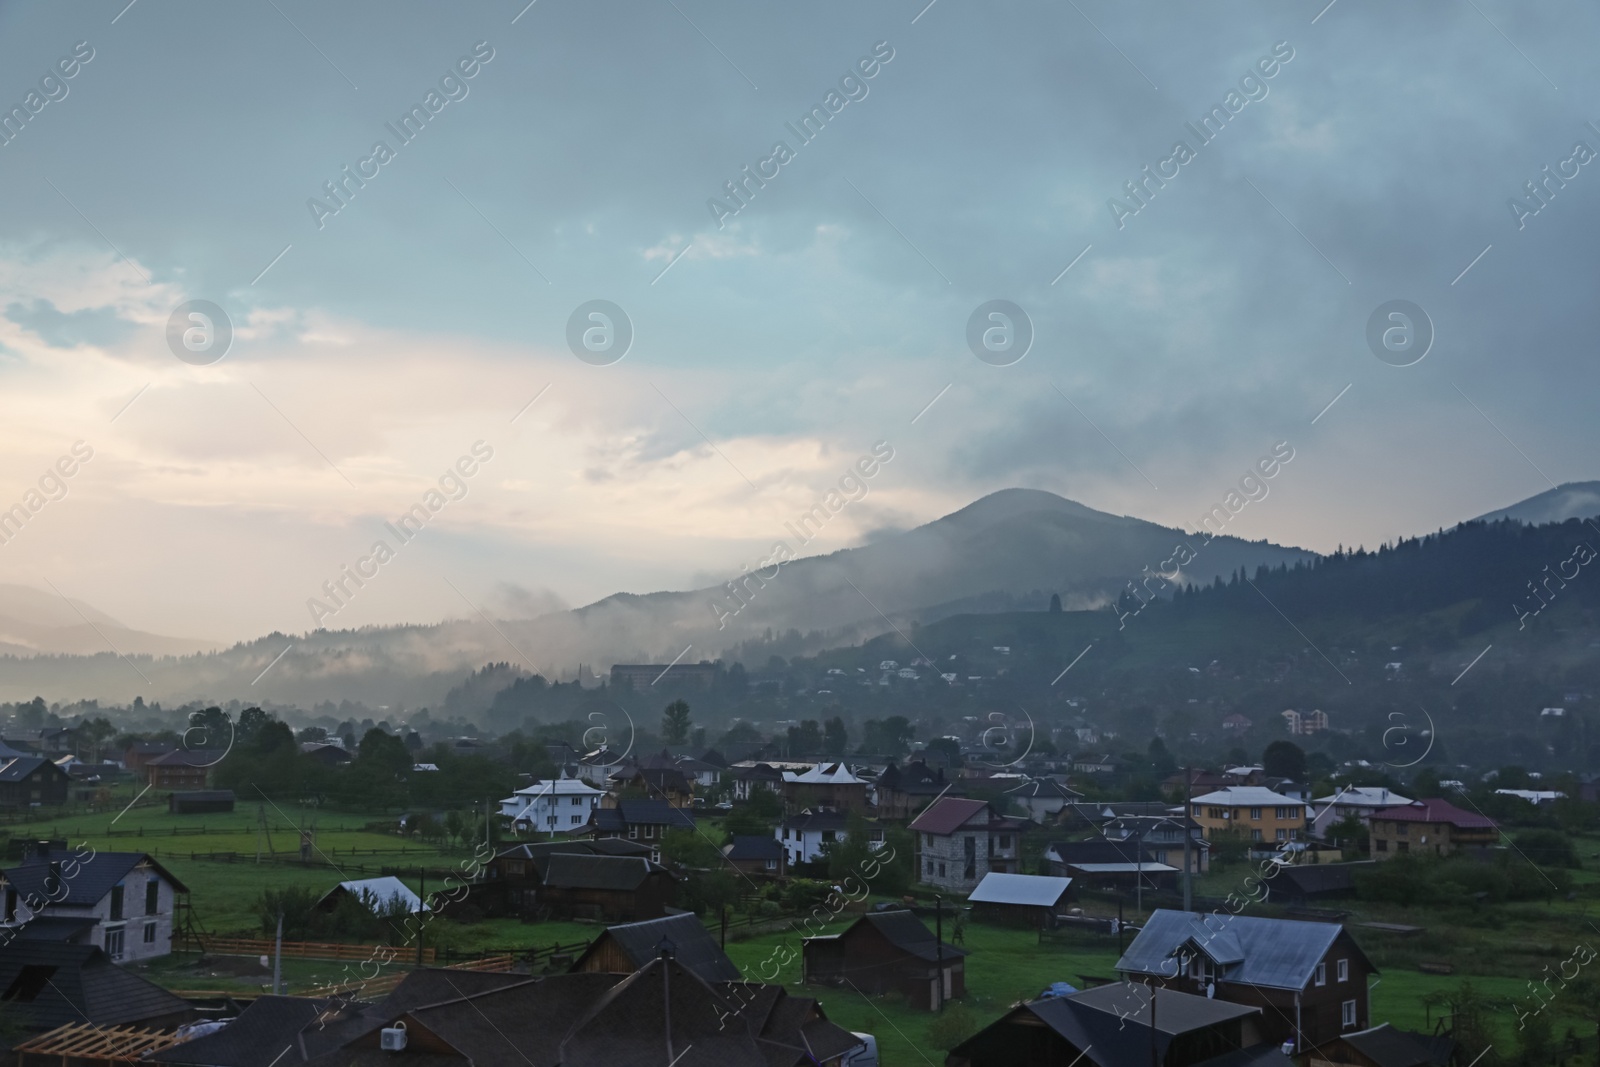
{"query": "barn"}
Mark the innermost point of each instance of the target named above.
(1019, 899)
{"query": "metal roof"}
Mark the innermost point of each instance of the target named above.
(1276, 953)
(1031, 889)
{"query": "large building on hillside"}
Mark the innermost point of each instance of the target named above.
(1253, 810)
(1433, 827)
(959, 840)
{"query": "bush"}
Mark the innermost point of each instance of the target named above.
(1547, 848)
(953, 1026)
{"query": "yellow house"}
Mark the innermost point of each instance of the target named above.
(1254, 810)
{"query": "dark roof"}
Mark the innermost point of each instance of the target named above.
(692, 946)
(714, 758)
(907, 933)
(55, 927)
(263, 1032)
(516, 1024)
(1435, 810)
(1276, 953)
(641, 813)
(1097, 1021)
(1319, 879)
(754, 847)
(1388, 1047)
(188, 757)
(946, 815)
(87, 883)
(21, 766)
(83, 986)
(568, 870)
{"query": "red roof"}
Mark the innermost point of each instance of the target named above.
(1436, 810)
(947, 815)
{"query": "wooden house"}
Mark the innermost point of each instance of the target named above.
(889, 951)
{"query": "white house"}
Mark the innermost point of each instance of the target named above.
(121, 901)
(1533, 796)
(1043, 797)
(554, 805)
(1356, 800)
(376, 894)
(802, 836)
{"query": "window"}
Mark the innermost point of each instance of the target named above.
(941, 868)
(1255, 835)
(577, 820)
(114, 943)
(1255, 813)
(930, 866)
(515, 868)
(116, 904)
(149, 933)
(1282, 835)
(829, 835)
(1383, 846)
(152, 896)
(1282, 813)
(1322, 973)
(649, 832)
(1402, 830)
(1348, 1013)
(1344, 970)
(633, 832)
(1005, 841)
(772, 865)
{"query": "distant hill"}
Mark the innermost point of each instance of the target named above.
(1572, 500)
(1010, 549)
(34, 622)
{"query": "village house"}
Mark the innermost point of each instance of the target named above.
(1436, 827)
(1258, 812)
(1120, 866)
(183, 768)
(827, 785)
(555, 805)
(901, 792)
(122, 901)
(1121, 1024)
(803, 836)
(1044, 798)
(757, 856)
(31, 782)
(644, 821)
(748, 777)
(624, 948)
(1357, 802)
(959, 840)
(1310, 978)
(1162, 837)
(1019, 899)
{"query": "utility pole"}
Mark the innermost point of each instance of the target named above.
(1138, 870)
(277, 959)
(1120, 926)
(1188, 782)
(422, 873)
(938, 941)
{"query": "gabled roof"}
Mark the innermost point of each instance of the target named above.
(691, 943)
(1276, 953)
(539, 851)
(264, 1031)
(1031, 889)
(1389, 1047)
(1043, 788)
(377, 893)
(753, 847)
(567, 870)
(1247, 796)
(630, 812)
(1078, 853)
(1314, 879)
(948, 814)
(809, 821)
(824, 774)
(1362, 796)
(87, 883)
(1435, 810)
(83, 986)
(908, 933)
(19, 767)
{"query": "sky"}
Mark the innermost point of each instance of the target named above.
(437, 302)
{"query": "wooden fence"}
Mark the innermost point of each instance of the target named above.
(306, 950)
(383, 985)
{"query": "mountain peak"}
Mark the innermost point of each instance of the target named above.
(1569, 500)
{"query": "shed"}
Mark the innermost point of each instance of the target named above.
(1019, 899)
(200, 801)
(625, 948)
(889, 951)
